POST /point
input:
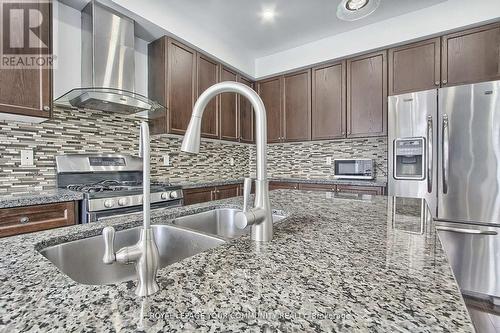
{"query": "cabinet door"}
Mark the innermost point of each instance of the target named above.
(283, 186)
(229, 109)
(19, 220)
(25, 91)
(181, 86)
(472, 55)
(415, 67)
(270, 92)
(317, 187)
(373, 190)
(329, 101)
(367, 95)
(207, 76)
(297, 106)
(246, 115)
(198, 195)
(157, 82)
(227, 191)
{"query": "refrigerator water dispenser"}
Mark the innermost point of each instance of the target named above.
(409, 158)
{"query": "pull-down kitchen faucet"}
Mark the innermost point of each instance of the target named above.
(145, 252)
(259, 217)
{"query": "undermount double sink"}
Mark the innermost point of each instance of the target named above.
(81, 259)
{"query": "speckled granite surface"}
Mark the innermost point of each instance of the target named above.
(38, 198)
(187, 185)
(334, 265)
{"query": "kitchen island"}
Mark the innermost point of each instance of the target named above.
(360, 263)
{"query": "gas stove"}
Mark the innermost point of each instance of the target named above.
(111, 184)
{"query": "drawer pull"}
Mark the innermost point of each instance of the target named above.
(24, 220)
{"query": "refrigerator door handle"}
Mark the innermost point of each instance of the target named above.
(445, 151)
(467, 231)
(429, 154)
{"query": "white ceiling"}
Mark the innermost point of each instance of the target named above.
(297, 21)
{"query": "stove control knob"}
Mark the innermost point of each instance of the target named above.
(109, 203)
(122, 201)
(165, 195)
(173, 195)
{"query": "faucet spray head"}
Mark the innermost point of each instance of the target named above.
(191, 141)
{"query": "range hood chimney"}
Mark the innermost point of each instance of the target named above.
(108, 66)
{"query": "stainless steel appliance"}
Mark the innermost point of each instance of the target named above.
(459, 130)
(412, 126)
(111, 184)
(353, 169)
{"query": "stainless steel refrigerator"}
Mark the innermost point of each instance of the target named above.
(444, 146)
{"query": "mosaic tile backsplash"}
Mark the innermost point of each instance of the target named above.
(98, 132)
(308, 159)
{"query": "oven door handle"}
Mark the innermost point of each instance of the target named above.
(430, 154)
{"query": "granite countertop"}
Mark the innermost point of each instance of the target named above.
(38, 198)
(207, 183)
(333, 265)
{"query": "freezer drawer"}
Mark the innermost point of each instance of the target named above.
(474, 255)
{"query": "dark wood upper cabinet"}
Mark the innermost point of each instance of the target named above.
(270, 91)
(207, 76)
(229, 124)
(157, 81)
(181, 85)
(328, 112)
(367, 95)
(23, 91)
(246, 115)
(415, 67)
(297, 106)
(471, 56)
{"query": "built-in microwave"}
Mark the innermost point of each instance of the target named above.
(354, 169)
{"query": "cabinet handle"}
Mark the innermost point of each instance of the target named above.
(436, 83)
(24, 220)
(445, 81)
(46, 108)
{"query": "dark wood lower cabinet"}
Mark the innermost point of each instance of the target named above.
(373, 190)
(317, 187)
(20, 220)
(283, 186)
(198, 195)
(204, 194)
(227, 191)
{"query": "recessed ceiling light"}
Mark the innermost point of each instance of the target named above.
(355, 4)
(351, 10)
(268, 14)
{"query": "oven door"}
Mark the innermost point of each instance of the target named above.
(98, 215)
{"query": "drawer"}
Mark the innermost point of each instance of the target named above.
(317, 187)
(374, 190)
(19, 220)
(283, 186)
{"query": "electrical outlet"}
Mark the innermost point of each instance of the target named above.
(328, 160)
(166, 160)
(231, 161)
(27, 157)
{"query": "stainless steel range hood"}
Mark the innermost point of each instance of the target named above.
(108, 66)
